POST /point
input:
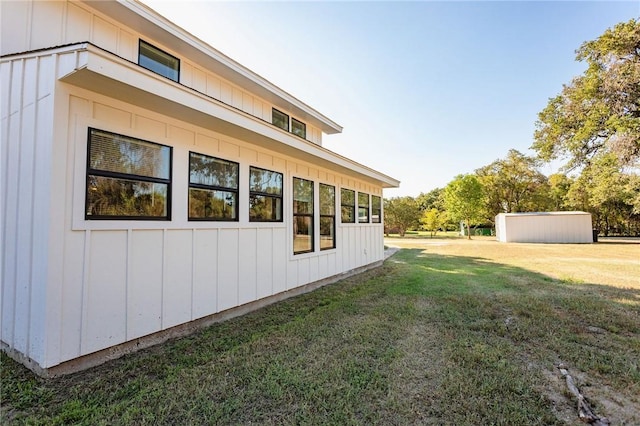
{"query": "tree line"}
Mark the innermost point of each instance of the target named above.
(592, 126)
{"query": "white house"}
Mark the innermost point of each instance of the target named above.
(152, 185)
(544, 227)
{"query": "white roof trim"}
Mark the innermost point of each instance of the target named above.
(183, 41)
(100, 71)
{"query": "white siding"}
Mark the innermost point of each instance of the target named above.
(70, 286)
(550, 227)
(26, 123)
(46, 24)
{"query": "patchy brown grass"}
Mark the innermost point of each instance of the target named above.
(446, 332)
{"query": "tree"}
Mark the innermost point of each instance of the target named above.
(400, 213)
(599, 112)
(431, 200)
(513, 184)
(608, 193)
(432, 220)
(463, 200)
(559, 185)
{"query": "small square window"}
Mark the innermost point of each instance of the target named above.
(280, 119)
(298, 128)
(213, 188)
(158, 61)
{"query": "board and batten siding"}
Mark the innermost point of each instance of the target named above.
(69, 23)
(72, 287)
(28, 155)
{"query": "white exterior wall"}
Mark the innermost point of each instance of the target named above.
(45, 24)
(26, 113)
(72, 287)
(551, 227)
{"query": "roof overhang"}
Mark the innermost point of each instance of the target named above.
(149, 23)
(94, 69)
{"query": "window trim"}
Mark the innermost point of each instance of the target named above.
(303, 125)
(153, 47)
(310, 215)
(351, 206)
(333, 216)
(267, 194)
(368, 207)
(287, 129)
(235, 190)
(89, 171)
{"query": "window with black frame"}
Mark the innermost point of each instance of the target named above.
(213, 188)
(265, 195)
(280, 119)
(158, 61)
(363, 207)
(327, 217)
(347, 206)
(298, 128)
(376, 209)
(302, 216)
(127, 178)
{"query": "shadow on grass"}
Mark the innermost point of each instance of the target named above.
(426, 338)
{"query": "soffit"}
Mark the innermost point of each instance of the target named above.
(149, 23)
(102, 72)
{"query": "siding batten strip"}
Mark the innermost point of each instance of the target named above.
(127, 284)
(164, 275)
(86, 262)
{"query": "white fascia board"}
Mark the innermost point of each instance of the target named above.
(148, 22)
(100, 71)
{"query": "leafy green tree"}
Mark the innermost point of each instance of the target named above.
(432, 220)
(431, 200)
(463, 200)
(559, 185)
(598, 112)
(513, 184)
(608, 193)
(400, 213)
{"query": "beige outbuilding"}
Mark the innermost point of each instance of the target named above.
(544, 227)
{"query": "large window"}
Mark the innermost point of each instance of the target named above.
(280, 119)
(158, 61)
(298, 128)
(327, 217)
(348, 206)
(265, 195)
(213, 188)
(376, 209)
(127, 178)
(302, 216)
(363, 207)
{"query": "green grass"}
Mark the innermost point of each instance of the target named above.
(455, 332)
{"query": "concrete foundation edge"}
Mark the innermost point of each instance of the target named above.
(97, 358)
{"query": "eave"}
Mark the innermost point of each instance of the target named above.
(153, 25)
(89, 67)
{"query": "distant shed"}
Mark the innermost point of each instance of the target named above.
(544, 227)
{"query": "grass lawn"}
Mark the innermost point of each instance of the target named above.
(448, 331)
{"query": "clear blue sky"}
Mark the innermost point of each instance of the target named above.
(424, 90)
